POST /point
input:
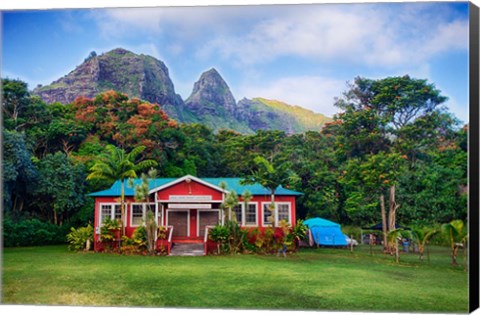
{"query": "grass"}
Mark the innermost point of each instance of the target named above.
(312, 279)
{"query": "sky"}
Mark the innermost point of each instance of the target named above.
(300, 54)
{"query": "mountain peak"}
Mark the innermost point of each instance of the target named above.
(212, 97)
(212, 72)
(212, 88)
(212, 79)
(119, 69)
(119, 51)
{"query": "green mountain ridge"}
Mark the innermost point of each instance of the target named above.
(211, 101)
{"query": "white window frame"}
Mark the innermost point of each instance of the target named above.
(265, 224)
(144, 212)
(112, 211)
(244, 214)
(289, 205)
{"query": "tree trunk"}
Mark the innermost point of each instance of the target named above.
(272, 212)
(420, 251)
(122, 207)
(397, 254)
(392, 210)
(392, 215)
(384, 222)
(454, 255)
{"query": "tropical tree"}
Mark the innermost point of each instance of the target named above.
(61, 187)
(246, 196)
(19, 173)
(142, 194)
(15, 98)
(393, 237)
(231, 200)
(422, 236)
(457, 236)
(271, 177)
(115, 165)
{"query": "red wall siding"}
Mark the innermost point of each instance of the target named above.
(192, 188)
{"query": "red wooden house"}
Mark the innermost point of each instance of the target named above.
(187, 206)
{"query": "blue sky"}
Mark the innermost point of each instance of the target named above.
(300, 54)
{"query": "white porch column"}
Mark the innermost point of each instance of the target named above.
(156, 214)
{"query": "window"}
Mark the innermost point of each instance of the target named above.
(237, 212)
(111, 211)
(137, 215)
(106, 212)
(267, 214)
(118, 212)
(283, 212)
(251, 214)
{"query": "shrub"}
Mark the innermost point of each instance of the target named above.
(219, 234)
(354, 231)
(80, 238)
(32, 232)
(300, 231)
(139, 237)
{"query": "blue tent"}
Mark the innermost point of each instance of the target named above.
(325, 232)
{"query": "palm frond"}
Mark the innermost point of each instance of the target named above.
(145, 164)
(135, 152)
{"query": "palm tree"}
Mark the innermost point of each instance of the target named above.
(141, 194)
(231, 200)
(271, 177)
(456, 235)
(115, 165)
(422, 236)
(246, 196)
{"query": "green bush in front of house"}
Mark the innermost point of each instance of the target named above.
(32, 232)
(81, 238)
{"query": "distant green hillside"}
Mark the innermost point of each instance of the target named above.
(261, 113)
(305, 119)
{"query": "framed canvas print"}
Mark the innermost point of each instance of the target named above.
(212, 157)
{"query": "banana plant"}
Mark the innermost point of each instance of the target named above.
(393, 236)
(457, 236)
(422, 236)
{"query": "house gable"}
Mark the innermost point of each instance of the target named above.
(188, 188)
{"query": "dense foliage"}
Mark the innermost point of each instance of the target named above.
(389, 132)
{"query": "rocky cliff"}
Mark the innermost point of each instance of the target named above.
(138, 76)
(211, 101)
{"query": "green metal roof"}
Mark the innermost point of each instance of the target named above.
(233, 183)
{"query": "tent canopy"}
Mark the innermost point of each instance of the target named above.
(319, 222)
(325, 232)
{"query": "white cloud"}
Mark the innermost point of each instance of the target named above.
(376, 35)
(372, 34)
(313, 92)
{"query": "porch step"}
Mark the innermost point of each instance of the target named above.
(187, 249)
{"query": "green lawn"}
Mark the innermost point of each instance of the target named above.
(312, 279)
